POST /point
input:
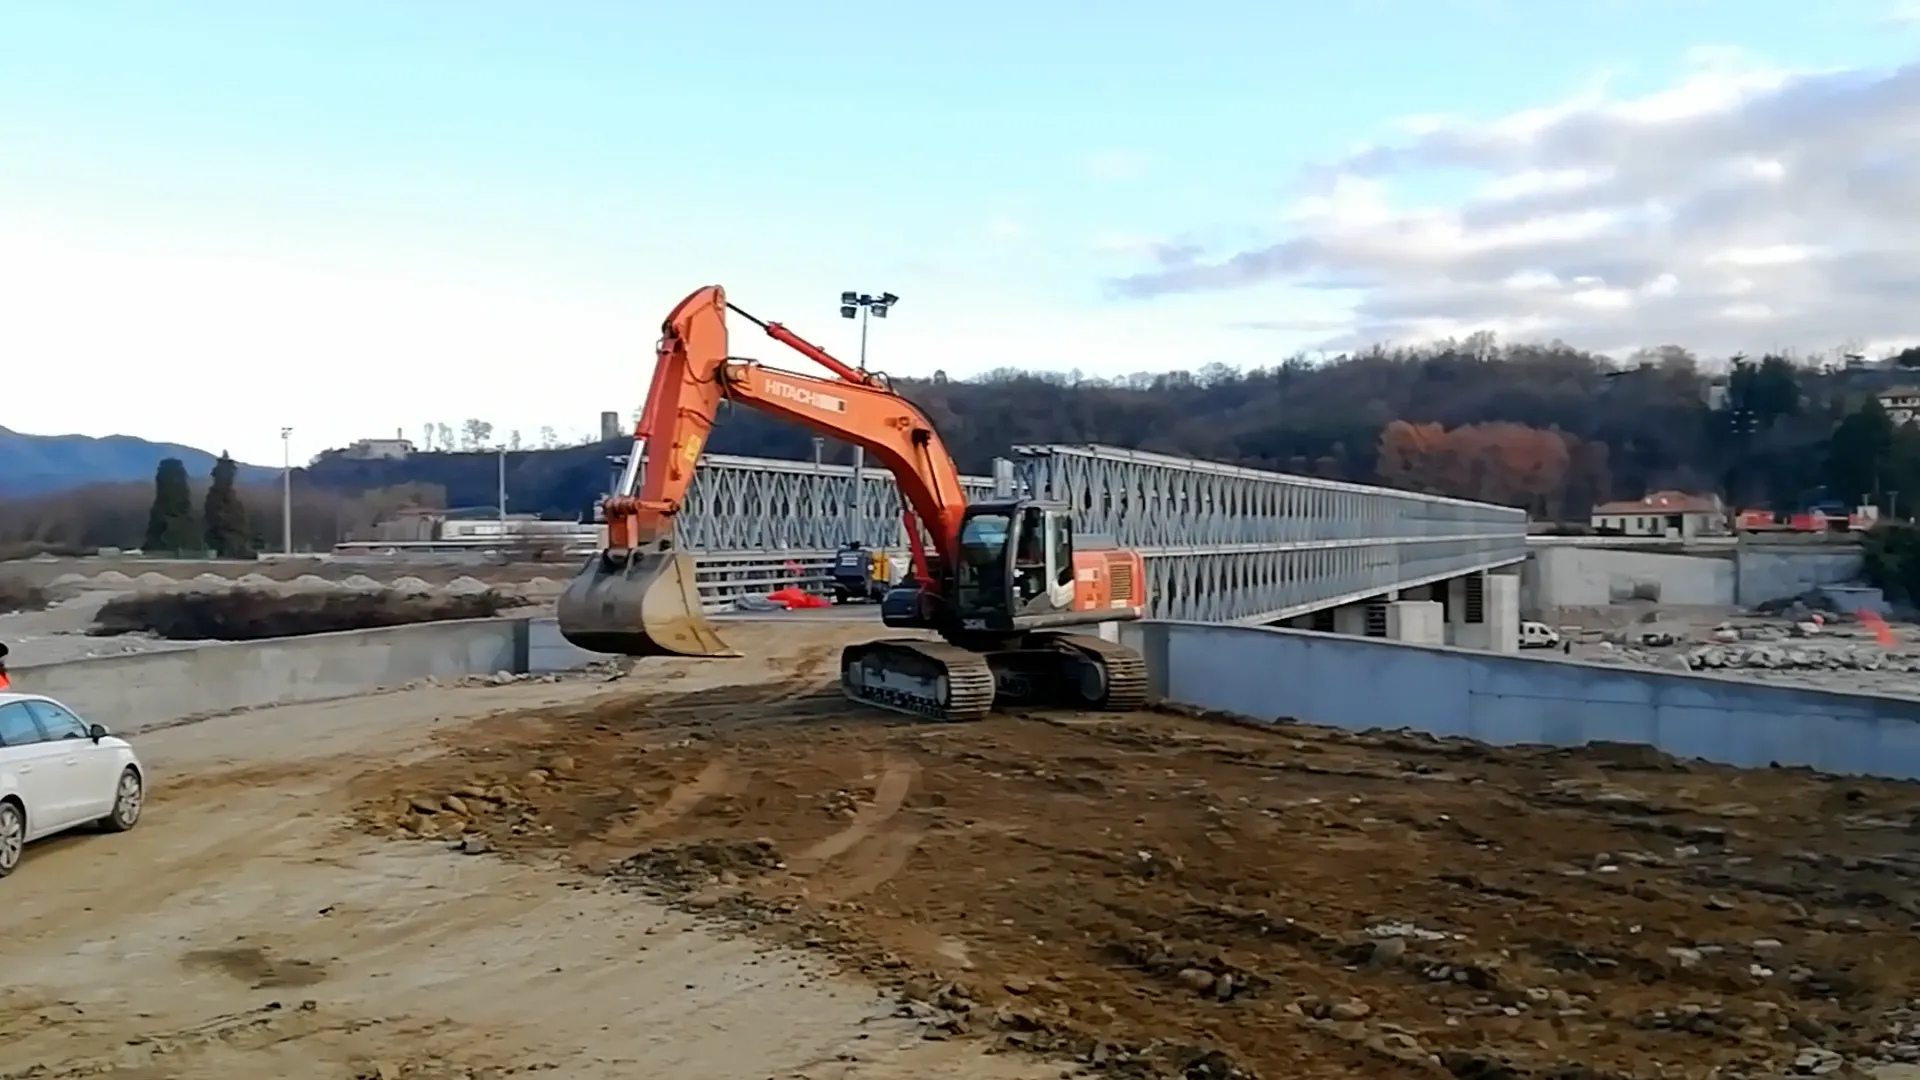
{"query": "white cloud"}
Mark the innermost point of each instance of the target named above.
(1166, 252)
(1740, 208)
(1005, 228)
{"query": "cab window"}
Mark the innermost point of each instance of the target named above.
(56, 722)
(1063, 550)
(17, 727)
(983, 539)
(1032, 546)
(982, 573)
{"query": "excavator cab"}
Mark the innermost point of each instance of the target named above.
(1015, 567)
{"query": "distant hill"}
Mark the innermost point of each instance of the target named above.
(40, 464)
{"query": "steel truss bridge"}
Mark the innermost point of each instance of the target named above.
(1222, 543)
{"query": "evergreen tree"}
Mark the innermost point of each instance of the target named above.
(225, 516)
(1858, 454)
(170, 524)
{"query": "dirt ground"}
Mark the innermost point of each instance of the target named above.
(705, 869)
(1157, 895)
(248, 928)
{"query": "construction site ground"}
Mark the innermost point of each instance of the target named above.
(721, 869)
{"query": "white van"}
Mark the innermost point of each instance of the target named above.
(1538, 635)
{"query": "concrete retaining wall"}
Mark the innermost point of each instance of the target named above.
(1576, 577)
(548, 651)
(1360, 683)
(132, 693)
(1775, 574)
(1572, 577)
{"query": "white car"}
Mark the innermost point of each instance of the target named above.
(57, 772)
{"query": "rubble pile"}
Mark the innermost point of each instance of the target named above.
(1811, 657)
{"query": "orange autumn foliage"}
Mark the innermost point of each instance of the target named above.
(1512, 464)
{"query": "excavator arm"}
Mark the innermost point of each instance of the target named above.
(694, 372)
(638, 597)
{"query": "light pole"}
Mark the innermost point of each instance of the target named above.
(864, 306)
(501, 492)
(286, 490)
(860, 304)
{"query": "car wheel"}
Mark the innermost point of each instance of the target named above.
(13, 836)
(128, 796)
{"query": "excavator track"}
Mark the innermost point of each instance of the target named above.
(930, 680)
(1125, 682)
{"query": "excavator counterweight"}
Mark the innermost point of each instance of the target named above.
(1000, 582)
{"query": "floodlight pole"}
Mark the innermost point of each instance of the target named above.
(866, 305)
(865, 311)
(286, 490)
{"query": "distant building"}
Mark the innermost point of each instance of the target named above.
(412, 524)
(1901, 403)
(395, 449)
(475, 529)
(1672, 514)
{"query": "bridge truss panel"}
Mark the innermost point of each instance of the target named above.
(767, 504)
(1231, 544)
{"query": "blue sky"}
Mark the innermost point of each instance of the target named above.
(362, 216)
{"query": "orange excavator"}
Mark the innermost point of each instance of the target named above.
(1002, 582)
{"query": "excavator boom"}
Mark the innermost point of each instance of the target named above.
(638, 597)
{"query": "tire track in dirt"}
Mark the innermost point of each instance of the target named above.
(889, 795)
(796, 682)
(620, 840)
(880, 858)
(802, 680)
(872, 855)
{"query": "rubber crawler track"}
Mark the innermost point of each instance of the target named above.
(970, 686)
(1126, 670)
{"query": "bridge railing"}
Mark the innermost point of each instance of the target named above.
(762, 504)
(1224, 543)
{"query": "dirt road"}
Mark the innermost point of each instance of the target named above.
(247, 929)
(1165, 896)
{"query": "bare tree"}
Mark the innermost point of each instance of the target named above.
(475, 433)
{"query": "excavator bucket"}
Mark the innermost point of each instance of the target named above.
(642, 605)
